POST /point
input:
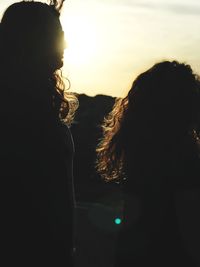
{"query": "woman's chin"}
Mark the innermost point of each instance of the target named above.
(58, 64)
(61, 62)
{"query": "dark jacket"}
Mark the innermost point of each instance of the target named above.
(37, 186)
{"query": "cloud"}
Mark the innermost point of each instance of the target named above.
(177, 7)
(183, 9)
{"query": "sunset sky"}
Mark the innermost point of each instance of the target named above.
(111, 41)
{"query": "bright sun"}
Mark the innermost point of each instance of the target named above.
(81, 39)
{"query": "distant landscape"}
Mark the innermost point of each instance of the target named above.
(98, 203)
(86, 132)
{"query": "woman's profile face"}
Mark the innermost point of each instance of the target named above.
(58, 46)
(58, 50)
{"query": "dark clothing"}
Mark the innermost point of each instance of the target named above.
(150, 234)
(37, 187)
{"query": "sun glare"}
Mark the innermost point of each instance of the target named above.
(81, 40)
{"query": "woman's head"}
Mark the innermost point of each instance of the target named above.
(31, 54)
(167, 95)
(162, 104)
(32, 37)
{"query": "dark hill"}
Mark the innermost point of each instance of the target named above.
(86, 132)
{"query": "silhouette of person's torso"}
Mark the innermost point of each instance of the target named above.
(37, 186)
(150, 234)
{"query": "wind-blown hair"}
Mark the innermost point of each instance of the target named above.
(31, 54)
(57, 4)
(163, 103)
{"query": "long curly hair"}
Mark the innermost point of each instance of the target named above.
(163, 102)
(31, 53)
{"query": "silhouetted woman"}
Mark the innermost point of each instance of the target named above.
(150, 144)
(36, 144)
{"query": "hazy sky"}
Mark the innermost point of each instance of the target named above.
(111, 41)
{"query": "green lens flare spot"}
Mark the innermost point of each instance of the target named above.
(118, 221)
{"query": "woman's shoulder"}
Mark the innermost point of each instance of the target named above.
(67, 136)
(188, 167)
